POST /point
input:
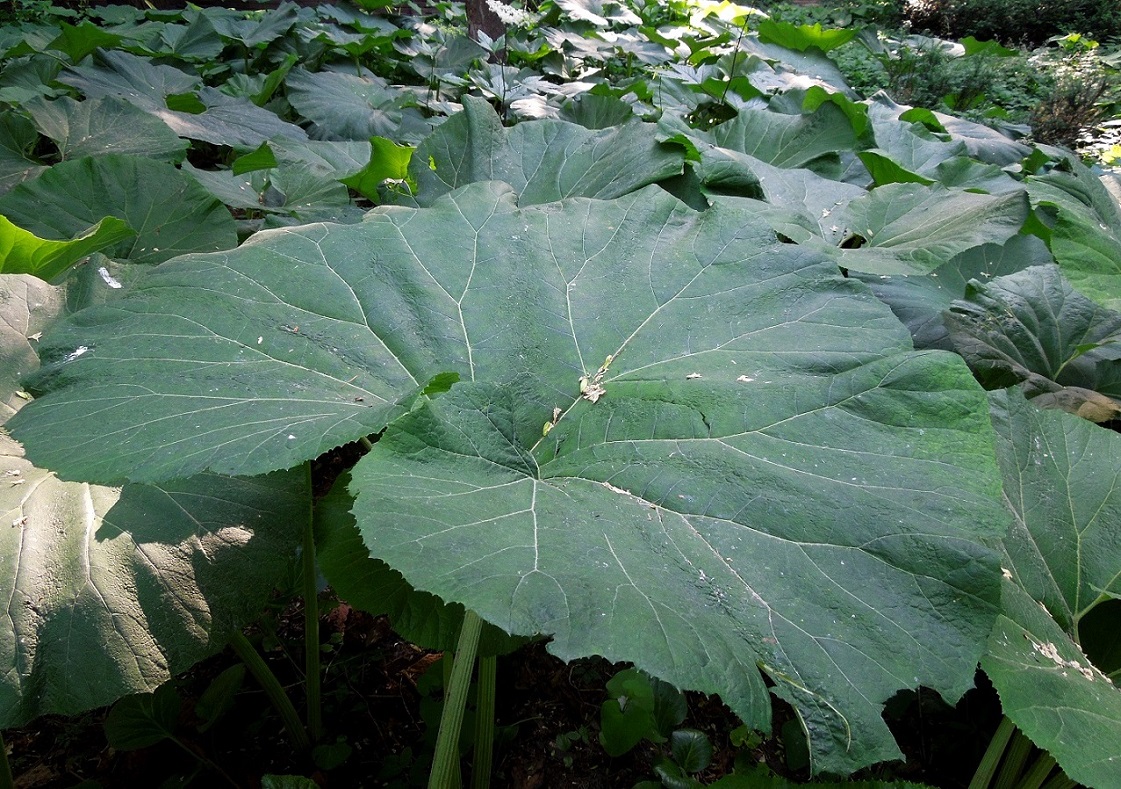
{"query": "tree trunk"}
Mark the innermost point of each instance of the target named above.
(481, 18)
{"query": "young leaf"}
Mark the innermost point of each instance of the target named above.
(802, 37)
(388, 160)
(22, 252)
(260, 159)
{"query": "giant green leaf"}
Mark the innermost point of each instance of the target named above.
(132, 78)
(768, 475)
(225, 120)
(345, 106)
(810, 141)
(920, 300)
(1061, 479)
(543, 161)
(169, 211)
(98, 127)
(1032, 328)
(113, 590)
(913, 229)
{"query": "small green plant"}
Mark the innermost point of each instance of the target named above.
(1083, 92)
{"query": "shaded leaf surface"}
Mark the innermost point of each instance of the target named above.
(920, 300)
(170, 213)
(1061, 477)
(129, 585)
(795, 471)
(27, 306)
(1033, 328)
(18, 139)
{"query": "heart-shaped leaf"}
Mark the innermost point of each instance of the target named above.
(762, 473)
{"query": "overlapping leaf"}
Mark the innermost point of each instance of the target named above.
(1032, 328)
(169, 211)
(225, 120)
(129, 585)
(913, 229)
(1084, 230)
(543, 161)
(99, 127)
(17, 142)
(919, 301)
(769, 475)
(22, 252)
(1061, 478)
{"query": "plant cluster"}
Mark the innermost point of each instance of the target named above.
(1013, 22)
(658, 343)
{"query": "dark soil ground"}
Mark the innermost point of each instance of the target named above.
(381, 704)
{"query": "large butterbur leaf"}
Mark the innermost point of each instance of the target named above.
(1062, 564)
(99, 127)
(907, 228)
(543, 161)
(169, 211)
(111, 591)
(1032, 328)
(762, 474)
(115, 590)
(223, 120)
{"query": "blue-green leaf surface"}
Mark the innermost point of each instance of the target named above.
(112, 591)
(98, 127)
(763, 474)
(543, 161)
(1061, 478)
(170, 213)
